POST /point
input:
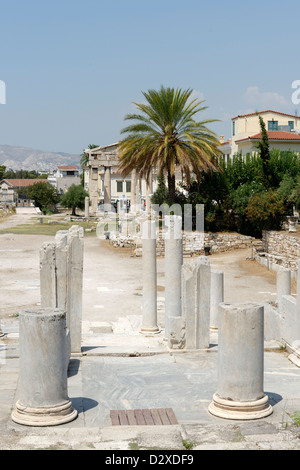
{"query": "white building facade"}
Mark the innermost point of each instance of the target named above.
(63, 177)
(283, 132)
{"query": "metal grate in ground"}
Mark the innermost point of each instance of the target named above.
(151, 417)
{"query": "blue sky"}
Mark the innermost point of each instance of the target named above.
(72, 68)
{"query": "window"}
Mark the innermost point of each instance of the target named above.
(272, 125)
(119, 186)
(291, 125)
(128, 186)
(233, 128)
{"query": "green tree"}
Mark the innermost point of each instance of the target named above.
(239, 200)
(9, 174)
(74, 198)
(161, 195)
(264, 152)
(243, 170)
(44, 195)
(283, 164)
(266, 211)
(2, 171)
(166, 136)
(294, 197)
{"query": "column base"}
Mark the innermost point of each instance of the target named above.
(51, 416)
(151, 330)
(238, 410)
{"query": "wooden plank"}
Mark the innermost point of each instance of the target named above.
(171, 416)
(131, 418)
(148, 418)
(123, 418)
(139, 417)
(163, 416)
(143, 417)
(114, 416)
(156, 417)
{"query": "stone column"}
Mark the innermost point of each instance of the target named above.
(43, 391)
(240, 392)
(283, 285)
(61, 262)
(61, 279)
(149, 191)
(133, 191)
(87, 207)
(93, 189)
(138, 200)
(107, 189)
(204, 295)
(173, 265)
(217, 296)
(74, 286)
(48, 275)
(149, 321)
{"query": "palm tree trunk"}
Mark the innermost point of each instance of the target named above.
(171, 186)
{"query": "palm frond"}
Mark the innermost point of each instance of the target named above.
(165, 135)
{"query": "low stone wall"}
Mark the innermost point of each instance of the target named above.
(193, 243)
(281, 248)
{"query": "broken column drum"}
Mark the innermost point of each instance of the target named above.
(196, 283)
(43, 392)
(149, 318)
(240, 393)
(61, 279)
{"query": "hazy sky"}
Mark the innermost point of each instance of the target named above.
(72, 68)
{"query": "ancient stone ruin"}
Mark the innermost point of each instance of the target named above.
(194, 307)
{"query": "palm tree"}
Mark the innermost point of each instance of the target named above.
(166, 136)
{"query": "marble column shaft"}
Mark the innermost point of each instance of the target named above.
(217, 296)
(43, 391)
(173, 265)
(149, 317)
(107, 189)
(240, 393)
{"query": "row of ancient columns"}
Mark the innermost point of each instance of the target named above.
(240, 392)
(134, 196)
(43, 399)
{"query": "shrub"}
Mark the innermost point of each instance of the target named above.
(266, 211)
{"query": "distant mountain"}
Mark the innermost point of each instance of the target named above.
(22, 158)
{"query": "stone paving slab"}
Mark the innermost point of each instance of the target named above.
(185, 382)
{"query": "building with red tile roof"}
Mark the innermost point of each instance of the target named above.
(283, 132)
